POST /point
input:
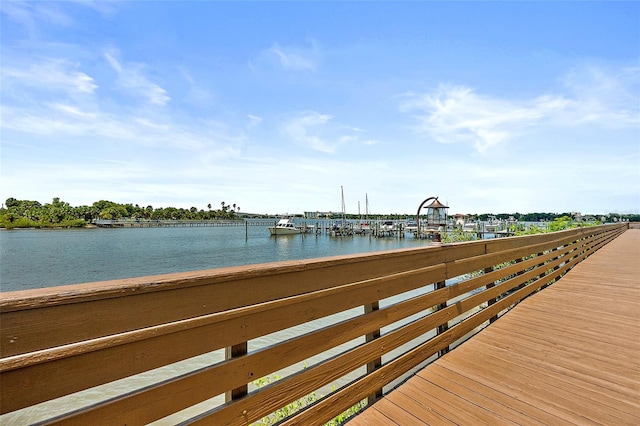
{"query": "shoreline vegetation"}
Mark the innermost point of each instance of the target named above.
(16, 214)
(60, 214)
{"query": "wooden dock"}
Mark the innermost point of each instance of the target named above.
(166, 223)
(567, 355)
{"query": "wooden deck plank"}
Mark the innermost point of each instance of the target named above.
(532, 413)
(559, 305)
(600, 352)
(569, 354)
(594, 405)
(586, 376)
(512, 391)
(605, 327)
(443, 402)
(421, 413)
(601, 344)
(495, 409)
(375, 417)
(515, 384)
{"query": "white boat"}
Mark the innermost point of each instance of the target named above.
(387, 226)
(470, 226)
(362, 228)
(284, 227)
(410, 226)
(492, 224)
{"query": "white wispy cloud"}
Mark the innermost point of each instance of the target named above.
(31, 15)
(19, 12)
(319, 132)
(610, 97)
(50, 74)
(131, 77)
(305, 130)
(58, 121)
(454, 114)
(292, 58)
(74, 111)
(458, 114)
(197, 93)
(104, 7)
(254, 120)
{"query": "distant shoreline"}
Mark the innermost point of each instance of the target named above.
(38, 228)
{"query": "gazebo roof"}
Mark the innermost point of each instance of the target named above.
(435, 204)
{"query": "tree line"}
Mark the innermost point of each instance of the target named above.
(32, 214)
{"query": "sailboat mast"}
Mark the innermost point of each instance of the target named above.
(366, 207)
(342, 194)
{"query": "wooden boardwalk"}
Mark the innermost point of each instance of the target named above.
(568, 355)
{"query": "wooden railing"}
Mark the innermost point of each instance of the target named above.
(414, 304)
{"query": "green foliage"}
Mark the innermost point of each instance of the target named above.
(457, 235)
(11, 202)
(351, 411)
(9, 221)
(58, 214)
(32, 214)
(299, 404)
(288, 409)
(560, 224)
(533, 229)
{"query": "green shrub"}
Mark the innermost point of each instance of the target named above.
(301, 403)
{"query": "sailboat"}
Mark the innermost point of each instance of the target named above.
(363, 227)
(342, 228)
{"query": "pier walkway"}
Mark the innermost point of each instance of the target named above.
(567, 355)
(543, 330)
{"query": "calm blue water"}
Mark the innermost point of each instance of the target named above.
(46, 258)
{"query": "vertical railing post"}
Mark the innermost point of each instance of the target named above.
(544, 272)
(231, 352)
(491, 301)
(580, 246)
(585, 250)
(567, 259)
(552, 269)
(541, 266)
(444, 326)
(519, 260)
(374, 364)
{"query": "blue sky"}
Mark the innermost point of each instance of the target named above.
(496, 107)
